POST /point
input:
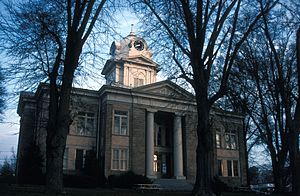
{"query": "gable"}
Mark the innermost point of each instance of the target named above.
(166, 89)
(140, 59)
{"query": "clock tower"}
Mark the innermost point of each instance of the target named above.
(130, 64)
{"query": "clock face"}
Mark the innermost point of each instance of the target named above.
(139, 45)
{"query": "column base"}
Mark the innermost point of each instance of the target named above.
(151, 177)
(179, 177)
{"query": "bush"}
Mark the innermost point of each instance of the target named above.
(80, 181)
(218, 186)
(31, 164)
(127, 180)
(7, 169)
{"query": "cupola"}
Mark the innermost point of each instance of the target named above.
(130, 64)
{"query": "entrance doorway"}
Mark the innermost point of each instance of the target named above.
(162, 164)
(163, 145)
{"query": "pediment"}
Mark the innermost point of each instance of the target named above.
(166, 89)
(140, 59)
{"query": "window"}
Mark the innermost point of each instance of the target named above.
(155, 165)
(220, 168)
(120, 123)
(230, 140)
(138, 82)
(65, 161)
(86, 124)
(232, 168)
(299, 142)
(79, 160)
(158, 137)
(218, 140)
(120, 159)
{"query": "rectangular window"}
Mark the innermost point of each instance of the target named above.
(232, 168)
(235, 168)
(218, 140)
(86, 124)
(229, 168)
(299, 142)
(120, 123)
(220, 168)
(66, 156)
(79, 160)
(230, 140)
(138, 82)
(120, 159)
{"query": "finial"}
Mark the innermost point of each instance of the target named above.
(131, 32)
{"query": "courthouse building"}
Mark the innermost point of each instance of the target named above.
(135, 123)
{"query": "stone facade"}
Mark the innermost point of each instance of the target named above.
(134, 123)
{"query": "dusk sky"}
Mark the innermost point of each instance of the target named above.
(9, 128)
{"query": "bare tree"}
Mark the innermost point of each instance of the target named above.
(295, 131)
(266, 86)
(203, 38)
(2, 94)
(47, 38)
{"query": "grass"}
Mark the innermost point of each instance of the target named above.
(13, 190)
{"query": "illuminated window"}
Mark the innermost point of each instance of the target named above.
(155, 166)
(120, 123)
(86, 124)
(66, 156)
(230, 140)
(218, 140)
(120, 159)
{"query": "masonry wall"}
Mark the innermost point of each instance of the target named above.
(85, 104)
(26, 134)
(138, 140)
(227, 122)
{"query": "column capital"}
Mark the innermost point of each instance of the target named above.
(151, 110)
(179, 114)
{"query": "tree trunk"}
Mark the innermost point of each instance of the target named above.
(204, 152)
(295, 159)
(54, 163)
(277, 174)
(56, 140)
(58, 125)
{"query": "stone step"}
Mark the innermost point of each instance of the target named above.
(174, 185)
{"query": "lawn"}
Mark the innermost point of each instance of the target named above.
(12, 190)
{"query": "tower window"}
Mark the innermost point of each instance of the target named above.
(138, 82)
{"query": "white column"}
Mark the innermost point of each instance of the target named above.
(150, 143)
(178, 157)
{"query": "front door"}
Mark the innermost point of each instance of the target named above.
(162, 165)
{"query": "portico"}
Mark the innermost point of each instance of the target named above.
(164, 149)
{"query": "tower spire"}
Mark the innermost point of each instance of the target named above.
(132, 30)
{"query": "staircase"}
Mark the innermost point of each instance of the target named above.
(174, 185)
